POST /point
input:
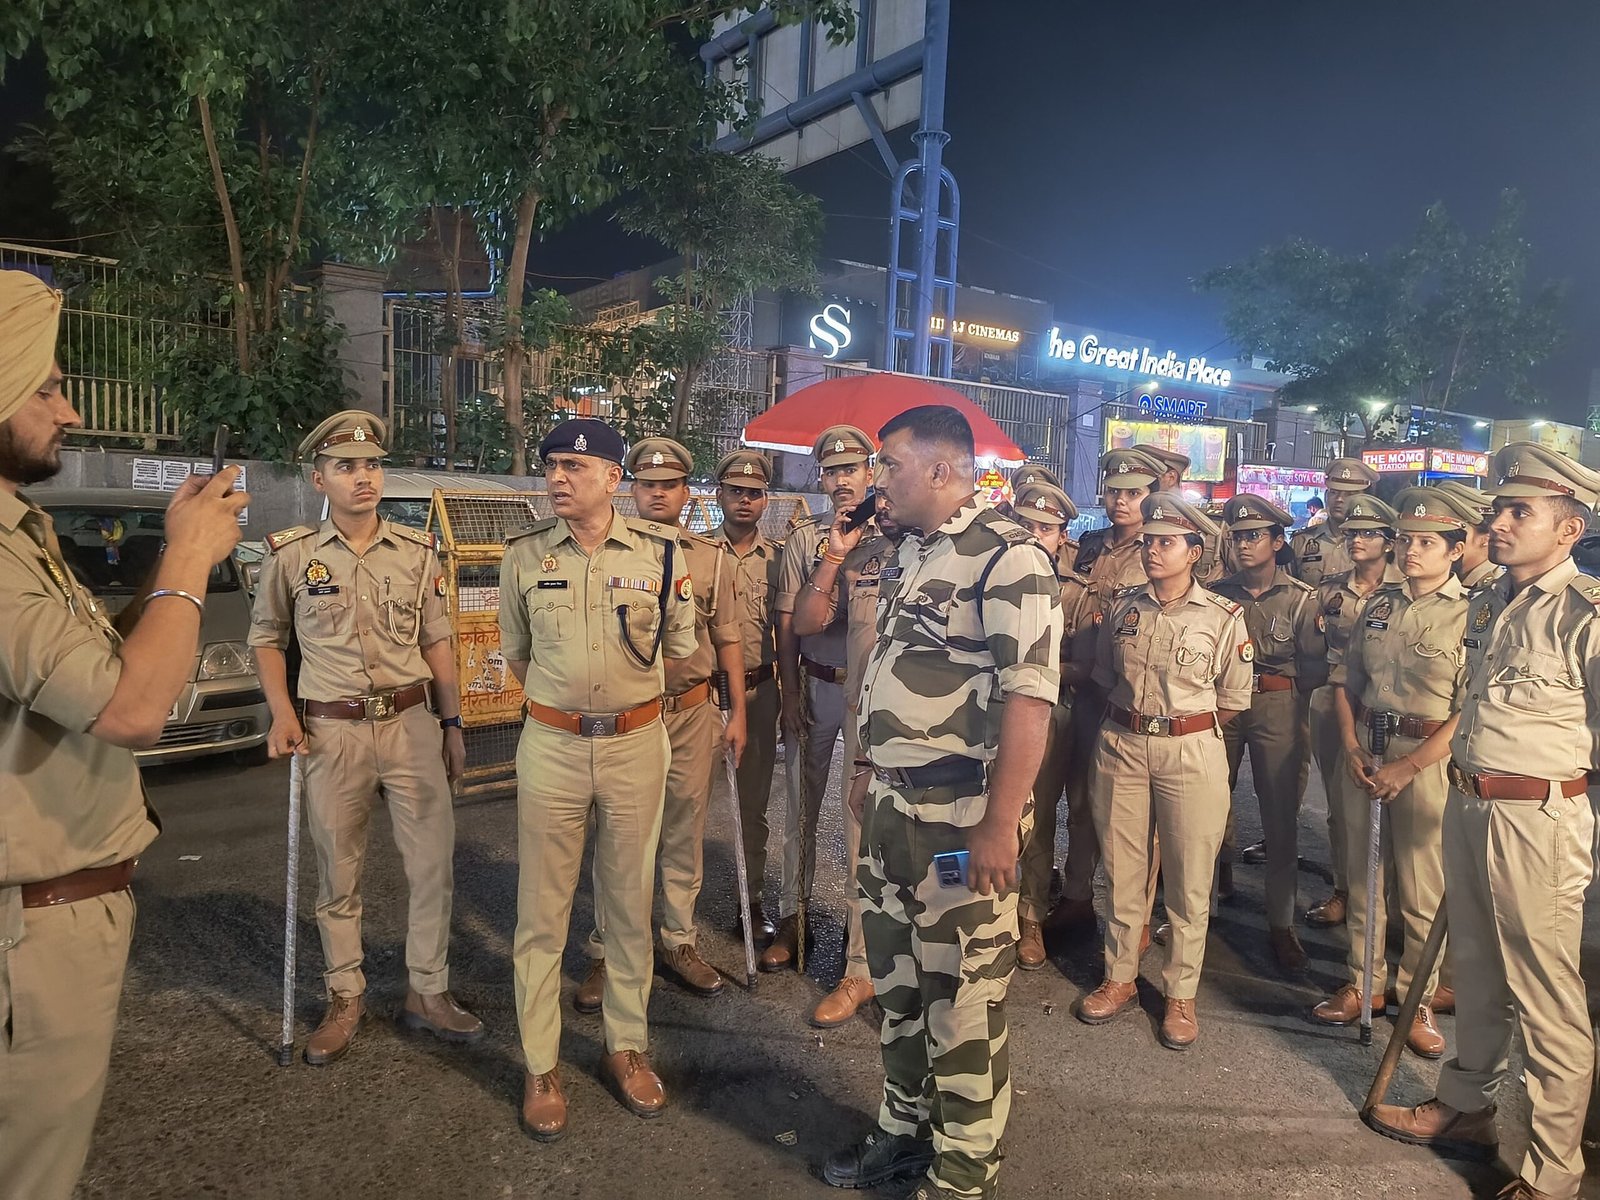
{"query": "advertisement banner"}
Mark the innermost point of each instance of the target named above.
(1290, 488)
(1205, 445)
(1400, 460)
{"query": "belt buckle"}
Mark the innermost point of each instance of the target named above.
(891, 776)
(1156, 726)
(601, 725)
(379, 707)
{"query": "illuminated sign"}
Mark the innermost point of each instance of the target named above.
(978, 332)
(1173, 406)
(1135, 360)
(830, 330)
(1206, 446)
(1392, 462)
(1252, 478)
(1411, 459)
(1458, 462)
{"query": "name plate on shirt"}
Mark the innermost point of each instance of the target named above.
(552, 583)
(331, 590)
(891, 573)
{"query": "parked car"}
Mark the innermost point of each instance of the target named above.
(112, 539)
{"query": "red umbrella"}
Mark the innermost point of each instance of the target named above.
(867, 401)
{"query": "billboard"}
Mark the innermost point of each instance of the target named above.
(1412, 460)
(1206, 445)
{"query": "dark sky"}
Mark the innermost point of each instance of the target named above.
(1109, 153)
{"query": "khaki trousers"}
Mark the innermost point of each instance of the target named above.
(351, 764)
(1411, 858)
(1514, 878)
(1083, 843)
(561, 779)
(800, 828)
(1039, 855)
(755, 780)
(1176, 787)
(1273, 729)
(1327, 751)
(59, 990)
(855, 942)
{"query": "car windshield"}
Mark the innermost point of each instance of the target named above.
(406, 512)
(113, 551)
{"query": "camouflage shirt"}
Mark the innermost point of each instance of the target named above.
(945, 656)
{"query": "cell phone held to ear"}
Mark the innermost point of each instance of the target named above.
(862, 513)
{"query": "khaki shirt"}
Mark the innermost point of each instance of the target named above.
(1338, 601)
(1174, 662)
(1531, 700)
(802, 550)
(1405, 655)
(1484, 573)
(756, 582)
(716, 610)
(1283, 626)
(857, 592)
(558, 613)
(1320, 551)
(361, 619)
(1114, 569)
(68, 800)
(940, 670)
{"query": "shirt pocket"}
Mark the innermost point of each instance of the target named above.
(642, 613)
(1194, 656)
(322, 616)
(988, 958)
(550, 619)
(402, 621)
(923, 622)
(1530, 680)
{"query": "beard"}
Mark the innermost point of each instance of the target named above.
(24, 466)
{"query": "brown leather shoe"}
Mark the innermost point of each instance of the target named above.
(1030, 945)
(1106, 1001)
(1179, 1028)
(1329, 913)
(638, 1086)
(839, 1005)
(1436, 1125)
(1521, 1189)
(1424, 1039)
(592, 991)
(1287, 950)
(694, 972)
(1344, 1007)
(1444, 999)
(785, 945)
(544, 1106)
(441, 1016)
(339, 1027)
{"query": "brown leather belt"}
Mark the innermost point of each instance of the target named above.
(756, 676)
(1512, 787)
(80, 885)
(596, 724)
(1162, 726)
(1273, 683)
(825, 673)
(369, 708)
(1407, 727)
(684, 701)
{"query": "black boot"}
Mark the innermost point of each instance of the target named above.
(877, 1159)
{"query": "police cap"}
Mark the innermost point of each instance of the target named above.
(584, 435)
(657, 458)
(352, 433)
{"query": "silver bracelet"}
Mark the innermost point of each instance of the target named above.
(195, 600)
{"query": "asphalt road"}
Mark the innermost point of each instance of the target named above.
(1265, 1105)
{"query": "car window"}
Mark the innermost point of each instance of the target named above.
(113, 551)
(406, 512)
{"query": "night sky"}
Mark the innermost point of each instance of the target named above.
(1108, 153)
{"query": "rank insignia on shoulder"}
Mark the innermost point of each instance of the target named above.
(317, 573)
(1593, 595)
(1247, 652)
(685, 588)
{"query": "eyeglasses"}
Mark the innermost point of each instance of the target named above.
(1367, 533)
(1243, 537)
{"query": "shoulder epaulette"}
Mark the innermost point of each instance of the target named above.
(1588, 587)
(690, 538)
(801, 522)
(420, 536)
(1223, 602)
(1127, 591)
(277, 541)
(536, 527)
(1389, 585)
(657, 529)
(1338, 580)
(1301, 584)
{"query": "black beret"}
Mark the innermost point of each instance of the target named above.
(584, 435)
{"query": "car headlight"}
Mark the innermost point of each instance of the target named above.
(224, 659)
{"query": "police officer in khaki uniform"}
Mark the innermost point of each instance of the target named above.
(1291, 661)
(1174, 660)
(1176, 464)
(1518, 832)
(661, 468)
(852, 587)
(590, 604)
(1403, 675)
(1319, 549)
(76, 697)
(1474, 568)
(1109, 559)
(743, 478)
(1043, 509)
(812, 670)
(366, 599)
(1369, 529)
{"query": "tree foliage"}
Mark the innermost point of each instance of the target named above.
(1442, 318)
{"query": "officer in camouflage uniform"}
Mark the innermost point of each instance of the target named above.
(955, 707)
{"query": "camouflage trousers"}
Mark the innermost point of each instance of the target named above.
(941, 959)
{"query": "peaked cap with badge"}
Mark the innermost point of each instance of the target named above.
(657, 458)
(1167, 512)
(1366, 511)
(352, 433)
(1350, 475)
(1033, 473)
(1432, 510)
(1172, 460)
(1130, 468)
(1249, 511)
(1044, 502)
(840, 445)
(745, 468)
(1529, 469)
(1480, 502)
(584, 435)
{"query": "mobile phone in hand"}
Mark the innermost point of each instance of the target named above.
(862, 513)
(950, 868)
(219, 448)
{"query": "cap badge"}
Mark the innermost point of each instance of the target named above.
(1420, 510)
(1041, 502)
(838, 446)
(657, 459)
(549, 564)
(749, 469)
(1156, 514)
(359, 434)
(580, 444)
(1122, 468)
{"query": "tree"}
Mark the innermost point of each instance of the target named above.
(1430, 322)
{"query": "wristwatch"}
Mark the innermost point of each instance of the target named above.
(449, 722)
